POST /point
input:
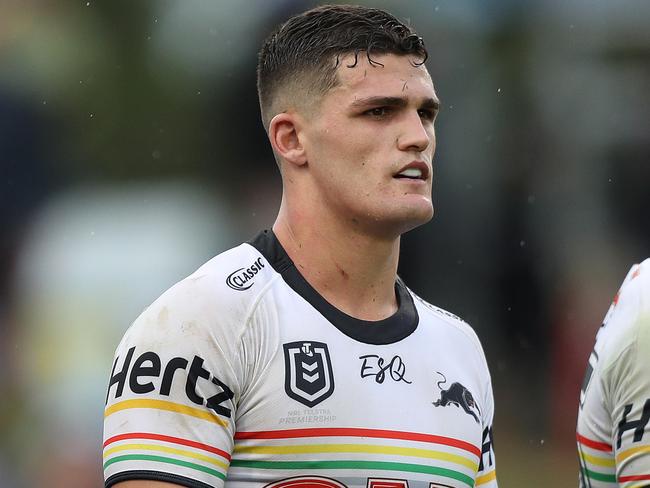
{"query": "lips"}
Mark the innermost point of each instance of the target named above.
(415, 170)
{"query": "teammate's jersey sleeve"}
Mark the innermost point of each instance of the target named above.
(614, 418)
(177, 377)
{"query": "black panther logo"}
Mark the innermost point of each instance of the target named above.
(457, 395)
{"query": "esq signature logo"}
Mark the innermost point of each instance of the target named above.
(376, 366)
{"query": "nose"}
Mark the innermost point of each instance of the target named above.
(416, 134)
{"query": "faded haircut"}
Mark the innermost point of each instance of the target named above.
(298, 60)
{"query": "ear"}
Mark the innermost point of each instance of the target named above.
(284, 134)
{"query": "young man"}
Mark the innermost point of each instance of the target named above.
(299, 359)
(614, 417)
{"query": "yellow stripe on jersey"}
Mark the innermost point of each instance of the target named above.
(631, 452)
(169, 450)
(492, 475)
(599, 461)
(168, 406)
(366, 448)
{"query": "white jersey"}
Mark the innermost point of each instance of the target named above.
(613, 422)
(242, 375)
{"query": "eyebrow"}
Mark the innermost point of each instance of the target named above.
(428, 103)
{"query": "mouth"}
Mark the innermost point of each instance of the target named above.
(415, 170)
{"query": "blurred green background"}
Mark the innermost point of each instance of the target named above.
(131, 152)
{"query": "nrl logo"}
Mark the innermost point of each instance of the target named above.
(308, 375)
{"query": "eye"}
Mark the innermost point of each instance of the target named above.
(378, 112)
(427, 114)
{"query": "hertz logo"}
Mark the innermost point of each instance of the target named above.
(241, 279)
(138, 374)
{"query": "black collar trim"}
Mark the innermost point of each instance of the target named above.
(387, 331)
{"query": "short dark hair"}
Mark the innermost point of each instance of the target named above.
(305, 50)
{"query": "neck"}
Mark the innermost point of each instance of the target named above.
(352, 270)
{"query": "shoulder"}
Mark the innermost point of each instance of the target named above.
(626, 329)
(223, 292)
(449, 322)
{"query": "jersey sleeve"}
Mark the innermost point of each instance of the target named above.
(613, 421)
(486, 476)
(628, 382)
(173, 391)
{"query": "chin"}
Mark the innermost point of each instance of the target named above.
(404, 218)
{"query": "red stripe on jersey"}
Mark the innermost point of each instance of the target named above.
(638, 477)
(345, 432)
(599, 446)
(167, 438)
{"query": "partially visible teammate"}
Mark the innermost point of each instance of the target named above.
(299, 359)
(614, 417)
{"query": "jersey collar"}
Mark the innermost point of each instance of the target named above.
(387, 331)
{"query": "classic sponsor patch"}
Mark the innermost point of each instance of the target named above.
(242, 279)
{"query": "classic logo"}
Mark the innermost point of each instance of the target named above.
(457, 395)
(308, 375)
(241, 279)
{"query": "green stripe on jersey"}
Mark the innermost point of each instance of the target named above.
(370, 465)
(608, 478)
(161, 459)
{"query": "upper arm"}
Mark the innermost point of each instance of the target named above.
(631, 410)
(628, 381)
(486, 475)
(172, 395)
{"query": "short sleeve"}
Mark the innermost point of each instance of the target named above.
(172, 393)
(486, 476)
(630, 407)
(613, 423)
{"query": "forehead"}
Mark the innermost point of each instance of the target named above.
(387, 75)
